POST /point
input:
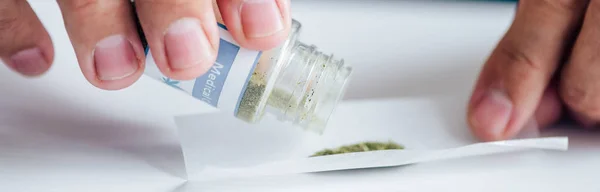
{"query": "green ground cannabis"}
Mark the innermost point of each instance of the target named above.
(279, 98)
(360, 147)
(254, 92)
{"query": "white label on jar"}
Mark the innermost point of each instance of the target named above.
(224, 84)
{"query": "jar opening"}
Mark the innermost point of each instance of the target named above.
(309, 88)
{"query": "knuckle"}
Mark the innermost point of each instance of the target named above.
(11, 28)
(519, 57)
(8, 23)
(563, 5)
(9, 19)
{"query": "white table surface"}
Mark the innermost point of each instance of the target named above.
(58, 133)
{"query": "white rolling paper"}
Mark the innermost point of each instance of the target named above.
(217, 146)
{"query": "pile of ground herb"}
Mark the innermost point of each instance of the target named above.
(360, 147)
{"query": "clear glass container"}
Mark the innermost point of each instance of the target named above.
(296, 83)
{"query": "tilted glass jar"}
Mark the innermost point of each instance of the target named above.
(296, 83)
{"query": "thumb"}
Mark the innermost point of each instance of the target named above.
(513, 81)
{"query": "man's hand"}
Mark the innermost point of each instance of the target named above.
(182, 35)
(550, 56)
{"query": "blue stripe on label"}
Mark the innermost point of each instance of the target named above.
(237, 106)
(208, 87)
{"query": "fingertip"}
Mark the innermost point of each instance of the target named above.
(31, 62)
(524, 67)
(189, 49)
(25, 45)
(117, 63)
(106, 42)
(184, 44)
(257, 24)
(490, 114)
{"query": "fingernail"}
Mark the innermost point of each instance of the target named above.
(492, 113)
(114, 58)
(29, 62)
(260, 18)
(186, 44)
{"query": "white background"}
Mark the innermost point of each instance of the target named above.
(58, 133)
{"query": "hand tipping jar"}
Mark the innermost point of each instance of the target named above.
(295, 82)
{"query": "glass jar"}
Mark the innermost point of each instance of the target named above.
(295, 82)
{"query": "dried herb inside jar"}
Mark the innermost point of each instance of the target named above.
(281, 99)
(360, 147)
(254, 92)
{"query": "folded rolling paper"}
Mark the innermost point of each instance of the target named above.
(218, 146)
